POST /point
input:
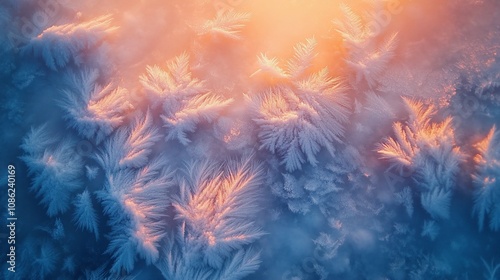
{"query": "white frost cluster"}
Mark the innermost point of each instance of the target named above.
(428, 150)
(487, 180)
(302, 113)
(184, 99)
(60, 44)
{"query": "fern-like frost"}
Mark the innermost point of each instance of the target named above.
(136, 202)
(226, 24)
(85, 216)
(60, 44)
(428, 150)
(184, 98)
(303, 113)
(487, 180)
(130, 147)
(92, 110)
(216, 208)
(56, 170)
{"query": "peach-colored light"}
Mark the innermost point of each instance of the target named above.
(134, 209)
(483, 146)
(209, 207)
(145, 236)
(233, 133)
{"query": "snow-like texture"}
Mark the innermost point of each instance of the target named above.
(320, 188)
(92, 110)
(302, 194)
(135, 196)
(405, 198)
(367, 58)
(354, 33)
(130, 147)
(135, 202)
(176, 266)
(58, 232)
(55, 166)
(415, 81)
(60, 44)
(491, 270)
(85, 216)
(42, 258)
(91, 172)
(175, 84)
(270, 67)
(226, 24)
(419, 138)
(430, 229)
(428, 150)
(46, 260)
(185, 100)
(378, 106)
(216, 208)
(263, 139)
(487, 180)
(437, 202)
(302, 114)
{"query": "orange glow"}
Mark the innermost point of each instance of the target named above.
(49, 161)
(133, 208)
(275, 26)
(152, 32)
(233, 133)
(484, 144)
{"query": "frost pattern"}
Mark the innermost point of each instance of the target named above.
(136, 202)
(91, 172)
(404, 197)
(239, 265)
(43, 257)
(487, 180)
(226, 24)
(428, 150)
(319, 159)
(60, 44)
(377, 106)
(130, 147)
(491, 270)
(367, 58)
(300, 116)
(437, 203)
(430, 229)
(56, 169)
(322, 188)
(92, 110)
(216, 208)
(370, 62)
(185, 100)
(85, 216)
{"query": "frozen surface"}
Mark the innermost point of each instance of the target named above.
(238, 139)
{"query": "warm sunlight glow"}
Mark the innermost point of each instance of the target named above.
(250, 139)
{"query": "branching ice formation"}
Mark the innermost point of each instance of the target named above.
(487, 180)
(429, 150)
(55, 167)
(184, 98)
(303, 113)
(60, 44)
(94, 111)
